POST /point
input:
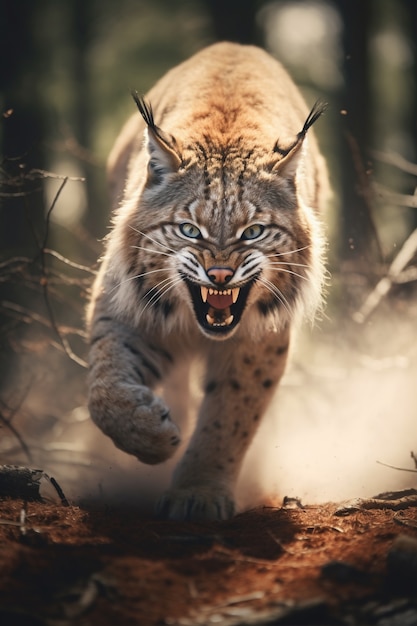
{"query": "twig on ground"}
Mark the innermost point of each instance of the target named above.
(395, 501)
(400, 469)
(26, 483)
(22, 520)
(404, 521)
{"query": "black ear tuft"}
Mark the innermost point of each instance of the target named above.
(162, 148)
(318, 109)
(145, 109)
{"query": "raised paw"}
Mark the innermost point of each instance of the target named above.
(197, 504)
(136, 420)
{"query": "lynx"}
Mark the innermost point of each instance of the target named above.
(215, 251)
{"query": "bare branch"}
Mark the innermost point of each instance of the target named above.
(27, 316)
(399, 199)
(74, 357)
(17, 259)
(19, 194)
(404, 256)
(6, 422)
(44, 282)
(393, 158)
(37, 173)
(71, 144)
(407, 276)
(48, 217)
(76, 266)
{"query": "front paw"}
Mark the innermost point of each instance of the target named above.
(197, 504)
(136, 420)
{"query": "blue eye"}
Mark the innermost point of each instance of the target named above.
(253, 232)
(191, 231)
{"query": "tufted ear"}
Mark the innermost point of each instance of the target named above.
(288, 164)
(163, 158)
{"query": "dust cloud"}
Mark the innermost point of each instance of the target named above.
(346, 406)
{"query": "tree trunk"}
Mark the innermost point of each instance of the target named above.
(358, 237)
(22, 127)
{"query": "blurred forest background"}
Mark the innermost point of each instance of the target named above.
(66, 71)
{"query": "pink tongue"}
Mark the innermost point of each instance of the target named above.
(219, 302)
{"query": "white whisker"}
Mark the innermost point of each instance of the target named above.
(157, 296)
(156, 288)
(166, 288)
(276, 292)
(153, 251)
(158, 243)
(160, 290)
(286, 262)
(282, 269)
(154, 297)
(126, 280)
(270, 256)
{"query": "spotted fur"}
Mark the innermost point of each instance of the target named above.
(215, 251)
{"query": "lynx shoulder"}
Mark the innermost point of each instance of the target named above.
(216, 249)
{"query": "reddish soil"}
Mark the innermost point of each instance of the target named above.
(266, 566)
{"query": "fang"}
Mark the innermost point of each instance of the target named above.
(211, 320)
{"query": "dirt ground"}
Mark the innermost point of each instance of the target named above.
(290, 564)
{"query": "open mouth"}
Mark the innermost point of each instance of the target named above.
(218, 310)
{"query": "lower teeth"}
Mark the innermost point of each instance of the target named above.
(212, 321)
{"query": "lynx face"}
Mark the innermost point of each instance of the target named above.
(234, 243)
(248, 263)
